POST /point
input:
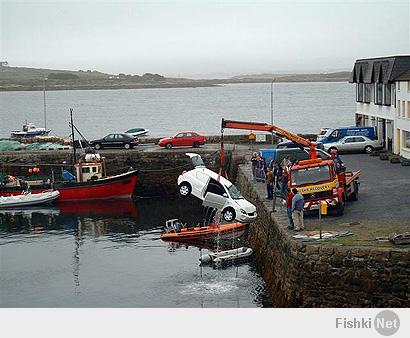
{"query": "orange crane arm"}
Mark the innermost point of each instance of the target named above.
(272, 128)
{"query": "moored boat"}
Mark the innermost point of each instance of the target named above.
(175, 230)
(29, 130)
(137, 131)
(28, 199)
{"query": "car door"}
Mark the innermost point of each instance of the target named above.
(108, 141)
(360, 143)
(347, 144)
(119, 140)
(200, 183)
(179, 140)
(189, 140)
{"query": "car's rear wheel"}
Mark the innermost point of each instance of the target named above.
(196, 145)
(185, 189)
(368, 149)
(97, 146)
(127, 146)
(229, 215)
(168, 145)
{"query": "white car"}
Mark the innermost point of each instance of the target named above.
(200, 180)
(353, 144)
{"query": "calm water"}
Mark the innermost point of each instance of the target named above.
(108, 254)
(300, 107)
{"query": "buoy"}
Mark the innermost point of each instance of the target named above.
(36, 170)
(30, 171)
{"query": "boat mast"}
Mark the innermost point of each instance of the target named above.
(44, 102)
(72, 136)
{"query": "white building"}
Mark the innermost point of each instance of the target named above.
(383, 99)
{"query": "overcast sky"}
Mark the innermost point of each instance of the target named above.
(201, 38)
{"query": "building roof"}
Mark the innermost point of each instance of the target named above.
(383, 69)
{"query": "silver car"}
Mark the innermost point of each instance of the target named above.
(353, 144)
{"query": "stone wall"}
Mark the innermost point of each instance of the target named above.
(158, 170)
(300, 274)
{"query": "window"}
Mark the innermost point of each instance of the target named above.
(378, 93)
(367, 92)
(406, 139)
(234, 192)
(408, 86)
(387, 94)
(359, 139)
(398, 85)
(188, 135)
(85, 170)
(403, 108)
(408, 110)
(94, 169)
(181, 135)
(350, 140)
(310, 175)
(398, 107)
(359, 92)
(109, 137)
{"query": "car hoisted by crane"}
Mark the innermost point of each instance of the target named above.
(316, 179)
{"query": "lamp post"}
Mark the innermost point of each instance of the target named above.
(271, 104)
(44, 102)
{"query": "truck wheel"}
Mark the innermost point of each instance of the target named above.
(339, 210)
(355, 194)
(368, 149)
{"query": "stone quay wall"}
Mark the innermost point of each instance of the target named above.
(301, 274)
(158, 170)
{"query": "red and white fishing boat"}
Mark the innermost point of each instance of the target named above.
(89, 183)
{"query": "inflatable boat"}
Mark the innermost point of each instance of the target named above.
(228, 256)
(175, 230)
(28, 199)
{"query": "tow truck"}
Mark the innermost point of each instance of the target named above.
(316, 179)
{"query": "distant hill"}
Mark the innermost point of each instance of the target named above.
(23, 78)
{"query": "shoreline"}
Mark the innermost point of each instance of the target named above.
(154, 86)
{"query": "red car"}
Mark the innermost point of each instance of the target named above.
(183, 139)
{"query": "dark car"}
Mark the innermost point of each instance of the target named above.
(115, 141)
(287, 145)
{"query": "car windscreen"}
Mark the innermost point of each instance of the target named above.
(310, 175)
(234, 192)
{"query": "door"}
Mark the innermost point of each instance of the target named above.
(360, 143)
(108, 141)
(189, 140)
(346, 144)
(179, 140)
(200, 183)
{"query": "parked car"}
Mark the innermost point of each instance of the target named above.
(115, 141)
(200, 180)
(294, 154)
(183, 139)
(353, 144)
(287, 144)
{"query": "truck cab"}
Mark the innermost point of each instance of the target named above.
(317, 180)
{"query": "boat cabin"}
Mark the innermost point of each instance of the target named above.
(90, 169)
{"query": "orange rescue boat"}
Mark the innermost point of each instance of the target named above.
(175, 230)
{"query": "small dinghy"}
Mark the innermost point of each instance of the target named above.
(228, 256)
(175, 230)
(137, 132)
(28, 199)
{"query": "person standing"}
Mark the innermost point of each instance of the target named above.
(269, 183)
(291, 225)
(286, 163)
(284, 183)
(254, 161)
(297, 210)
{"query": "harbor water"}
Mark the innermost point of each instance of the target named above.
(109, 254)
(299, 107)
